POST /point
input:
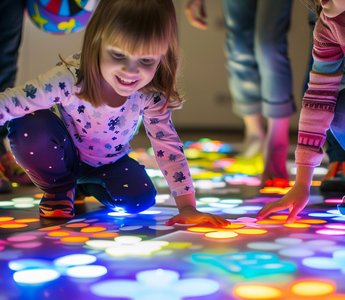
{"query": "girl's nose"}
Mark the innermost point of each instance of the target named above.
(130, 67)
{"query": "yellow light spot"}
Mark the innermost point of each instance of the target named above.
(251, 231)
(105, 235)
(77, 225)
(221, 235)
(93, 229)
(38, 196)
(75, 239)
(233, 226)
(297, 225)
(179, 245)
(253, 291)
(270, 190)
(312, 221)
(201, 229)
(91, 199)
(58, 233)
(270, 222)
(279, 217)
(313, 288)
(315, 183)
(26, 220)
(50, 228)
(13, 225)
(5, 219)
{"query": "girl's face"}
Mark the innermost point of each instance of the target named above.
(333, 8)
(124, 72)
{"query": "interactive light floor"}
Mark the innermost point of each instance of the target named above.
(103, 254)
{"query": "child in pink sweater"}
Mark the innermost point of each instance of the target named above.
(322, 106)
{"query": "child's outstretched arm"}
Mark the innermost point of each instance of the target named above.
(296, 199)
(188, 214)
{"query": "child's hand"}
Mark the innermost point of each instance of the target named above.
(192, 216)
(297, 198)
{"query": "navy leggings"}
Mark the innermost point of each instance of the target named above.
(43, 147)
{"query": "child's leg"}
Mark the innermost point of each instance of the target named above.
(276, 149)
(254, 135)
(123, 184)
(43, 147)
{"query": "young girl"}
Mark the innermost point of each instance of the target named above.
(322, 106)
(127, 68)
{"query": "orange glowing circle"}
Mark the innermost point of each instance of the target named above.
(58, 233)
(313, 288)
(312, 221)
(270, 190)
(253, 291)
(93, 229)
(279, 217)
(221, 235)
(201, 229)
(316, 183)
(5, 219)
(251, 231)
(38, 196)
(27, 220)
(297, 225)
(74, 239)
(49, 228)
(13, 225)
(105, 235)
(270, 222)
(77, 225)
(233, 226)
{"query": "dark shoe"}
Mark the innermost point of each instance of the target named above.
(334, 180)
(57, 205)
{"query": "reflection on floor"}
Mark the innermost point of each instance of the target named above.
(102, 254)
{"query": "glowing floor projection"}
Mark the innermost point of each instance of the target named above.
(104, 254)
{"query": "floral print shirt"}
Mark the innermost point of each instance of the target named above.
(102, 134)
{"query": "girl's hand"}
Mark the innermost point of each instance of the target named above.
(190, 215)
(195, 11)
(297, 198)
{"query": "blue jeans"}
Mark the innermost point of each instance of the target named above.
(11, 23)
(260, 78)
(45, 150)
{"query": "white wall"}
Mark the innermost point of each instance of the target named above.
(204, 77)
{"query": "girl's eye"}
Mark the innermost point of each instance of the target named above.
(117, 55)
(147, 61)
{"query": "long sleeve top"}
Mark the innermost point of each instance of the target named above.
(102, 134)
(320, 99)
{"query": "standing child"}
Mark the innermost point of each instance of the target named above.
(127, 68)
(322, 106)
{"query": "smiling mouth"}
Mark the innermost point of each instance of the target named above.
(126, 82)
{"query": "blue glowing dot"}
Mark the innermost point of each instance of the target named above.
(321, 215)
(208, 209)
(321, 263)
(265, 246)
(296, 252)
(74, 260)
(92, 271)
(35, 276)
(22, 264)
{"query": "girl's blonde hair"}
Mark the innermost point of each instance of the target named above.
(138, 27)
(314, 6)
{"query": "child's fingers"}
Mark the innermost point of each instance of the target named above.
(294, 212)
(173, 220)
(213, 220)
(270, 208)
(222, 221)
